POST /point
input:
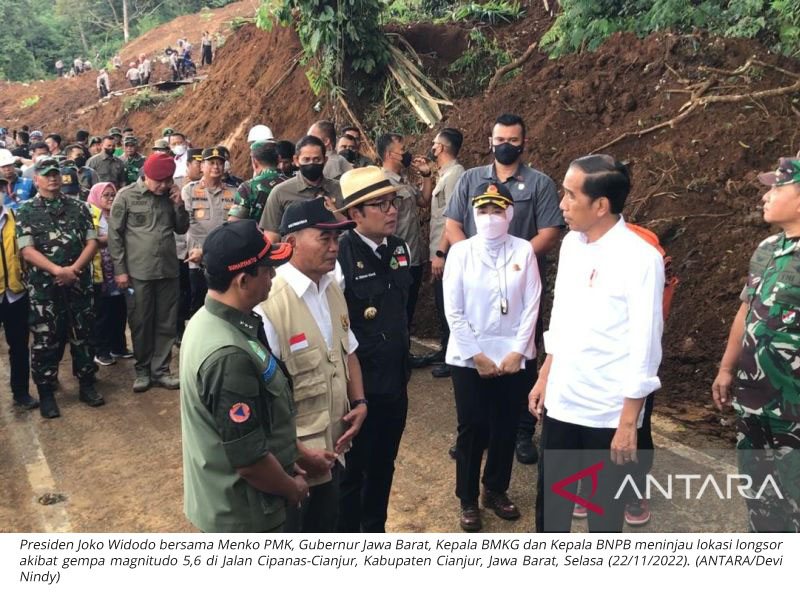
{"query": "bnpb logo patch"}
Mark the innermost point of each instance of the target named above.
(239, 412)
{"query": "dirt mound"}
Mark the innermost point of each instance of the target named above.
(694, 184)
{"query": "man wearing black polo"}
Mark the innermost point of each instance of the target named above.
(537, 218)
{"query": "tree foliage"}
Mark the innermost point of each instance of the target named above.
(36, 33)
(585, 24)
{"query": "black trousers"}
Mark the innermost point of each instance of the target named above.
(14, 320)
(413, 292)
(369, 470)
(568, 449)
(444, 328)
(109, 327)
(488, 413)
(319, 513)
(184, 296)
(644, 453)
(199, 289)
(206, 55)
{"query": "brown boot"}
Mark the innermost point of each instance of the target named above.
(470, 517)
(501, 504)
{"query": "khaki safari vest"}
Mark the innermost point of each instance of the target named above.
(319, 375)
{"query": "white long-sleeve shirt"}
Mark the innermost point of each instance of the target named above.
(605, 327)
(474, 284)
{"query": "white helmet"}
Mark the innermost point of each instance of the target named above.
(260, 133)
(6, 158)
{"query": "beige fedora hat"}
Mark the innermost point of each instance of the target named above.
(362, 184)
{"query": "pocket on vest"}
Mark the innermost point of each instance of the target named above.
(310, 388)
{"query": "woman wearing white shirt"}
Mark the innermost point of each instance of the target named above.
(491, 298)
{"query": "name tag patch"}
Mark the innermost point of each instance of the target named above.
(298, 342)
(269, 372)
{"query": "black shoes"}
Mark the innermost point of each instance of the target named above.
(427, 359)
(440, 371)
(48, 407)
(26, 401)
(526, 451)
(90, 396)
(452, 451)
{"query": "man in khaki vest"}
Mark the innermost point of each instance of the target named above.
(308, 327)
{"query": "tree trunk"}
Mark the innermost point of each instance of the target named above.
(83, 38)
(125, 29)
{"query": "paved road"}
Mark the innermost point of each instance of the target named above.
(118, 468)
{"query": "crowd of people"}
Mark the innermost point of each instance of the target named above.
(290, 298)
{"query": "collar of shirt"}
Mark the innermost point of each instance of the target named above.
(443, 172)
(300, 282)
(786, 245)
(490, 173)
(268, 174)
(394, 176)
(608, 237)
(248, 323)
(371, 244)
(303, 184)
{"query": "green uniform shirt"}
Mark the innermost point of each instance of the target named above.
(133, 166)
(236, 408)
(768, 372)
(109, 169)
(59, 228)
(296, 189)
(140, 233)
(252, 195)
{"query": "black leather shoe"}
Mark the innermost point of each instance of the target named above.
(440, 371)
(500, 503)
(48, 407)
(452, 451)
(418, 361)
(470, 518)
(89, 396)
(26, 401)
(436, 357)
(526, 451)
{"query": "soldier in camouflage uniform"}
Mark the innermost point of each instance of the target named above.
(57, 239)
(252, 195)
(132, 159)
(763, 354)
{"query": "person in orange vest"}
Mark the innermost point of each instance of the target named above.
(14, 306)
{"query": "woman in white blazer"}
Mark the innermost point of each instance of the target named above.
(491, 297)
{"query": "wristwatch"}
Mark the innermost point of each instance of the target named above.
(357, 402)
(440, 254)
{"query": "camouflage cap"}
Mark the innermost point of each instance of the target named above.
(95, 141)
(161, 145)
(113, 131)
(130, 141)
(44, 166)
(788, 172)
(166, 132)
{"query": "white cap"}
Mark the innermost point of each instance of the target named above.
(260, 133)
(6, 159)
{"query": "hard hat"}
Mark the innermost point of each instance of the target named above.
(260, 133)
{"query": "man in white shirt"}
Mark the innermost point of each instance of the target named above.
(307, 326)
(178, 146)
(603, 348)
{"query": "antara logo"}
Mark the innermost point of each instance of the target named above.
(558, 488)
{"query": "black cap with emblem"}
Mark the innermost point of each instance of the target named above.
(217, 152)
(238, 244)
(311, 214)
(194, 154)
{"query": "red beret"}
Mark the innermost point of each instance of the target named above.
(159, 166)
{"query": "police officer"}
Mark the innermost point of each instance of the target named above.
(252, 195)
(144, 218)
(375, 264)
(132, 159)
(237, 412)
(193, 174)
(760, 371)
(207, 201)
(57, 238)
(308, 327)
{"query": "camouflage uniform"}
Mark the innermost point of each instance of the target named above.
(58, 228)
(252, 195)
(767, 387)
(133, 166)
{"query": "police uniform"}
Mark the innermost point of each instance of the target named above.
(376, 288)
(59, 228)
(767, 386)
(208, 208)
(236, 409)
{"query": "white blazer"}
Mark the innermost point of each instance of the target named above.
(473, 289)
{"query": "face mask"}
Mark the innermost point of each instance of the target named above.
(348, 154)
(311, 171)
(491, 225)
(431, 155)
(80, 161)
(179, 150)
(406, 161)
(109, 151)
(506, 153)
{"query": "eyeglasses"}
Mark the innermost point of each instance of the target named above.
(384, 206)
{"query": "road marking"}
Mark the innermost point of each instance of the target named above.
(53, 518)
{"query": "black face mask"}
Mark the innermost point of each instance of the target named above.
(348, 154)
(109, 151)
(431, 156)
(80, 161)
(406, 161)
(506, 153)
(311, 171)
